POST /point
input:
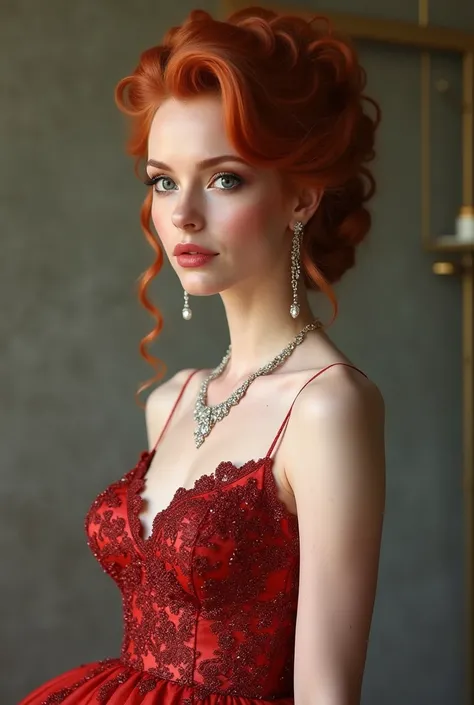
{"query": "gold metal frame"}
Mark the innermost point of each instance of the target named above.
(430, 38)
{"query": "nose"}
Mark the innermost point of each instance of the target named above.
(187, 217)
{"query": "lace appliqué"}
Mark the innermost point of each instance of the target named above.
(211, 556)
(210, 597)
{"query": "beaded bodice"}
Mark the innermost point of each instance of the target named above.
(210, 596)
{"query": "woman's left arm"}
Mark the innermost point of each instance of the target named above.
(336, 467)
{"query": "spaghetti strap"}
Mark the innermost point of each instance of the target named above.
(170, 415)
(287, 417)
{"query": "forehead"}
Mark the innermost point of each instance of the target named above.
(181, 125)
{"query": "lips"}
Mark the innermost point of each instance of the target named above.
(190, 248)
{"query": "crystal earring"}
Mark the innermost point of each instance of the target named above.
(296, 267)
(187, 313)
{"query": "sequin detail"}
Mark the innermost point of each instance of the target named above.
(209, 598)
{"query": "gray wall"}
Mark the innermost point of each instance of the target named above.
(71, 249)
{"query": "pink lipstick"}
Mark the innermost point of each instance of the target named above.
(191, 255)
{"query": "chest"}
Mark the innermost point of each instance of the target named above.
(225, 519)
(238, 441)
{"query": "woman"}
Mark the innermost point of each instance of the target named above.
(248, 580)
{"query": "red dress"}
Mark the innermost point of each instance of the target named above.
(209, 598)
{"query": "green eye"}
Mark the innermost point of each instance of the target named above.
(225, 177)
(156, 179)
(228, 176)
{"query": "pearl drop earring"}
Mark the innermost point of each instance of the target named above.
(187, 313)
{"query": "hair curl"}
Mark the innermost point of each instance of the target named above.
(293, 100)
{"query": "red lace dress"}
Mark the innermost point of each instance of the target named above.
(209, 598)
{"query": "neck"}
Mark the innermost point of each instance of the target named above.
(260, 326)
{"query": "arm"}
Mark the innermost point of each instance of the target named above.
(336, 468)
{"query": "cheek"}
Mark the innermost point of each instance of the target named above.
(159, 220)
(247, 222)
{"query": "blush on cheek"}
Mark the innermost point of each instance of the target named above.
(246, 222)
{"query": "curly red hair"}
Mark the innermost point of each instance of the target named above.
(293, 98)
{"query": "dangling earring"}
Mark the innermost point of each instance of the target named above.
(187, 313)
(295, 266)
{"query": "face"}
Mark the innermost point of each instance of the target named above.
(205, 195)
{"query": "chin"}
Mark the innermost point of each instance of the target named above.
(196, 288)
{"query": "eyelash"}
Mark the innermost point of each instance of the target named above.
(154, 180)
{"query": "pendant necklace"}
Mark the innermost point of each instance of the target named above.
(206, 416)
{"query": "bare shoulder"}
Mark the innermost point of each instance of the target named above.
(340, 408)
(340, 389)
(338, 385)
(160, 402)
(161, 394)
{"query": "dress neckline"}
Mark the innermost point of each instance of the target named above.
(226, 473)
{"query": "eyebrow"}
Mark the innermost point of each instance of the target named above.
(204, 164)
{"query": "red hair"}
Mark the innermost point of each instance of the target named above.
(293, 100)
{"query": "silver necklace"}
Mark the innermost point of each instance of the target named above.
(207, 416)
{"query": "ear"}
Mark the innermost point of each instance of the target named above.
(306, 204)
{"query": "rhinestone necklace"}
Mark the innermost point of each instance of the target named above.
(207, 416)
